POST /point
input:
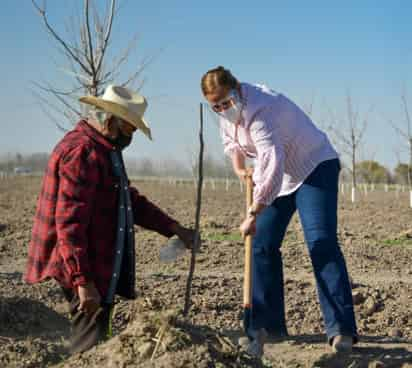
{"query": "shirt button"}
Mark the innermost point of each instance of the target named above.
(130, 230)
(115, 275)
(116, 185)
(125, 188)
(129, 208)
(121, 229)
(118, 252)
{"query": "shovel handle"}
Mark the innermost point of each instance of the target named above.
(247, 280)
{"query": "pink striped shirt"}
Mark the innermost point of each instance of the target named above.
(283, 141)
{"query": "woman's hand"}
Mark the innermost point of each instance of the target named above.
(248, 226)
(239, 166)
(244, 173)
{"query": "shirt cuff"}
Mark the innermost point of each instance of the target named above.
(168, 232)
(229, 150)
(80, 280)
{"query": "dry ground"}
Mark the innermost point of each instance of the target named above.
(374, 237)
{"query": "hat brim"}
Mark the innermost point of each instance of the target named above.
(120, 111)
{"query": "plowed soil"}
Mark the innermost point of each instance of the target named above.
(375, 235)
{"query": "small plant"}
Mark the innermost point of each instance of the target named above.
(398, 242)
(232, 237)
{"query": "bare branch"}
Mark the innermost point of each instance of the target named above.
(308, 107)
(77, 75)
(98, 27)
(89, 37)
(44, 102)
(340, 136)
(135, 75)
(350, 135)
(72, 30)
(123, 55)
(107, 36)
(58, 96)
(362, 130)
(337, 132)
(139, 86)
(67, 47)
(59, 92)
(74, 72)
(144, 65)
(407, 116)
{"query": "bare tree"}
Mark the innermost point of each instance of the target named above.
(349, 133)
(85, 49)
(308, 105)
(405, 134)
(192, 161)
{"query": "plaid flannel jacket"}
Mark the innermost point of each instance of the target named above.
(74, 231)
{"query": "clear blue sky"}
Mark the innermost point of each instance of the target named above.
(301, 49)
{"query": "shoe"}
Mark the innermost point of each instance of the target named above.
(271, 338)
(243, 341)
(254, 347)
(342, 344)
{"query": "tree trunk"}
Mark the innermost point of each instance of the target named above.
(354, 168)
(410, 164)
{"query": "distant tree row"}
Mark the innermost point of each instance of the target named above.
(372, 172)
(369, 171)
(212, 168)
(35, 162)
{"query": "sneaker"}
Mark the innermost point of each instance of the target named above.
(342, 344)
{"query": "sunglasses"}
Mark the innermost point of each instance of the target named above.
(224, 103)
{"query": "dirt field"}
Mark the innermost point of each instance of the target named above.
(374, 237)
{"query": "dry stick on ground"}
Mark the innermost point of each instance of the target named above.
(198, 205)
(158, 339)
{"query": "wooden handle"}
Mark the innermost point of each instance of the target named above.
(247, 281)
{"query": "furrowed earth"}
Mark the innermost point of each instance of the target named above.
(376, 239)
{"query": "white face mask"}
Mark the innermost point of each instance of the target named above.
(233, 113)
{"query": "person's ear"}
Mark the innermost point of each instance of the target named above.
(111, 127)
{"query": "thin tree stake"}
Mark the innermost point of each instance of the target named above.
(196, 244)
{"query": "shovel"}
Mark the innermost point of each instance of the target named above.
(247, 279)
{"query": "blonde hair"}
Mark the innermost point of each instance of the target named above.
(218, 78)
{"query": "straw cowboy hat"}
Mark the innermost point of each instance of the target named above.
(123, 103)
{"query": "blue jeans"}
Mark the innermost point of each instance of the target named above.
(316, 202)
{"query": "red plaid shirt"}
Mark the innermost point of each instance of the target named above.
(74, 231)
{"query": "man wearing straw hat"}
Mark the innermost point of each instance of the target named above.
(83, 234)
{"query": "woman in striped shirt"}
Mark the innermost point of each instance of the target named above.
(295, 168)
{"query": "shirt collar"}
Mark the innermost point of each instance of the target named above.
(84, 127)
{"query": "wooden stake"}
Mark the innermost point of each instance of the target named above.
(247, 282)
